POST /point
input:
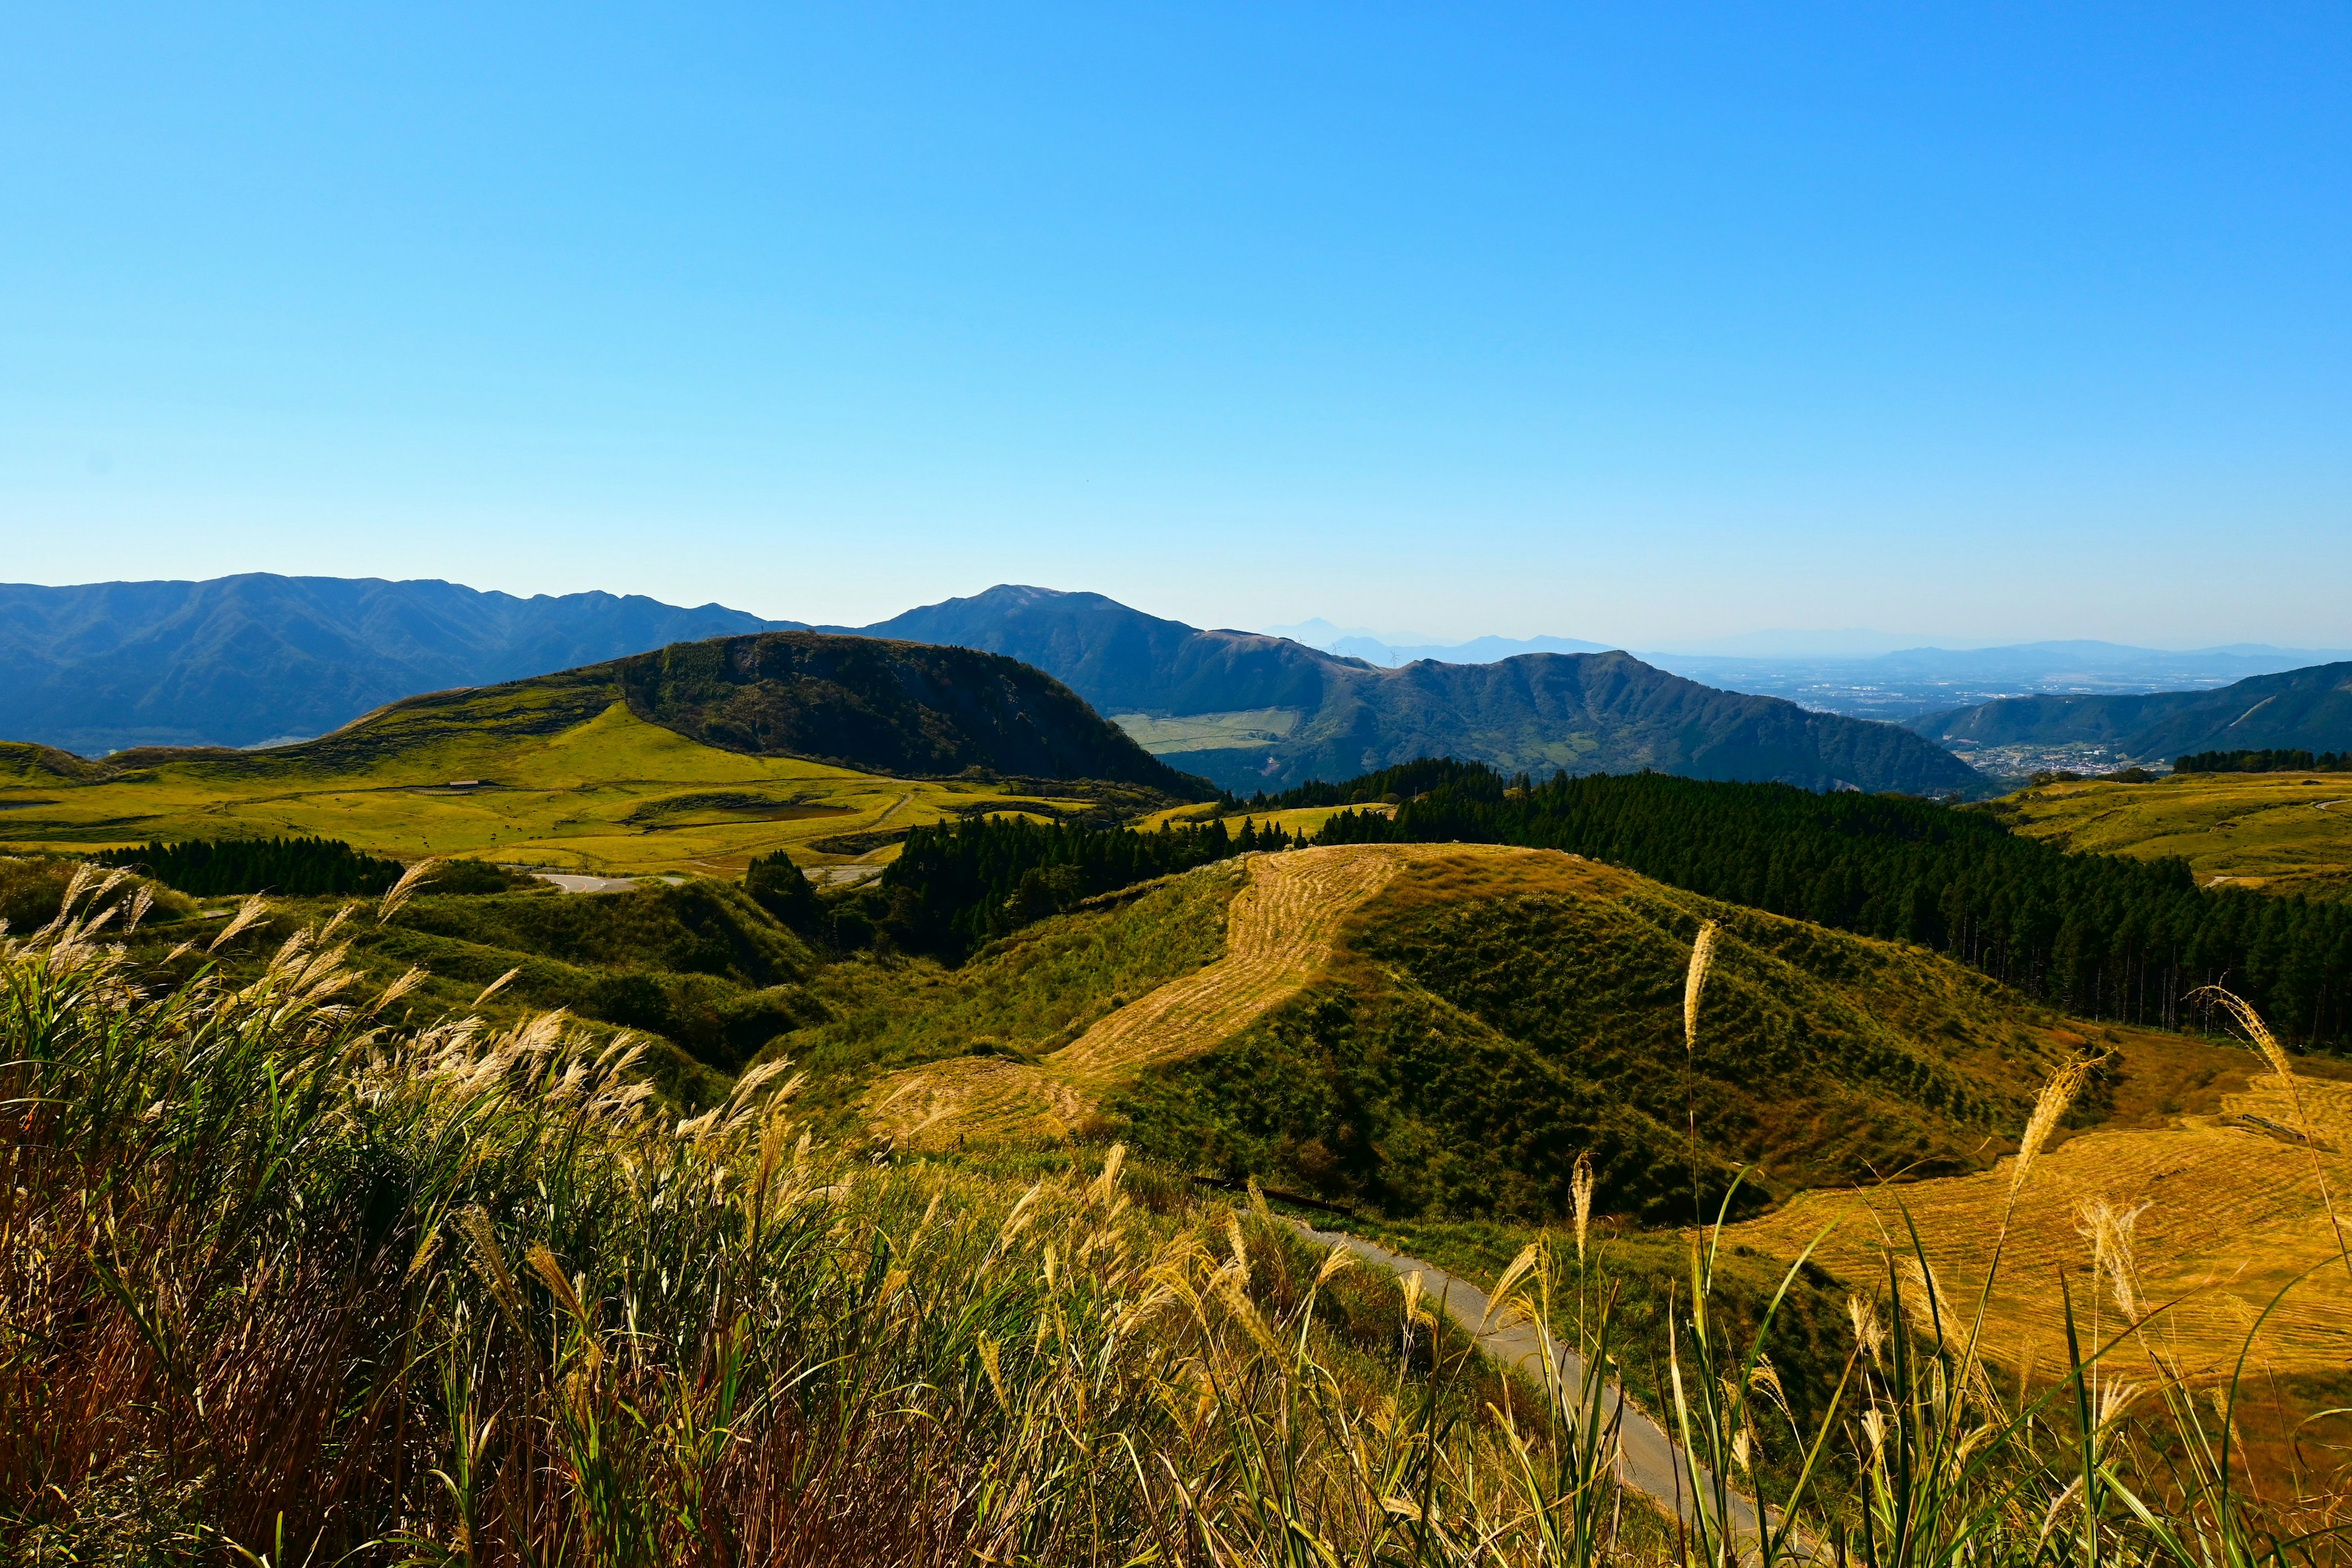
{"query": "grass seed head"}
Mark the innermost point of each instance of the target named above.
(1701, 956)
(2049, 1106)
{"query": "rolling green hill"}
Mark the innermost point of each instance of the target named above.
(691, 760)
(1485, 1020)
(908, 709)
(2272, 832)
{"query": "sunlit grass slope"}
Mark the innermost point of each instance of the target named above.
(1485, 1015)
(2279, 832)
(1488, 1016)
(1017, 1000)
(2218, 1173)
(565, 777)
(704, 975)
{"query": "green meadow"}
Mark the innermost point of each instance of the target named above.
(536, 778)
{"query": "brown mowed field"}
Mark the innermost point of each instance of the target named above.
(2225, 1207)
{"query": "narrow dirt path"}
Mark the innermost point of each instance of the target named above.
(1278, 931)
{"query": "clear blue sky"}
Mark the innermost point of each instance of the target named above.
(1636, 323)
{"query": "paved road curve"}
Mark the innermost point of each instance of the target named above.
(1647, 1458)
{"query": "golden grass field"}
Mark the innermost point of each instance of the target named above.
(613, 795)
(2282, 832)
(2225, 1206)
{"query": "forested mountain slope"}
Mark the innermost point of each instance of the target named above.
(2298, 709)
(1308, 714)
(235, 661)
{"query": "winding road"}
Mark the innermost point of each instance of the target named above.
(1647, 1459)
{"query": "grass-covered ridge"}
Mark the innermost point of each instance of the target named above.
(1489, 1018)
(2099, 936)
(1022, 998)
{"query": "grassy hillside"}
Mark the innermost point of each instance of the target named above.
(1020, 999)
(1485, 1020)
(1442, 1030)
(566, 777)
(303, 1266)
(697, 969)
(2280, 832)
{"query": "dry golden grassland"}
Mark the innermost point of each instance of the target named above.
(2282, 832)
(2209, 1187)
(613, 795)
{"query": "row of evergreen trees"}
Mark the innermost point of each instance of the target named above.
(959, 884)
(1400, 782)
(2098, 936)
(2264, 763)
(209, 868)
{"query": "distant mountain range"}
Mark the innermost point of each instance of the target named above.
(1906, 684)
(1864, 674)
(239, 661)
(1250, 711)
(255, 659)
(2298, 709)
(243, 661)
(1393, 651)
